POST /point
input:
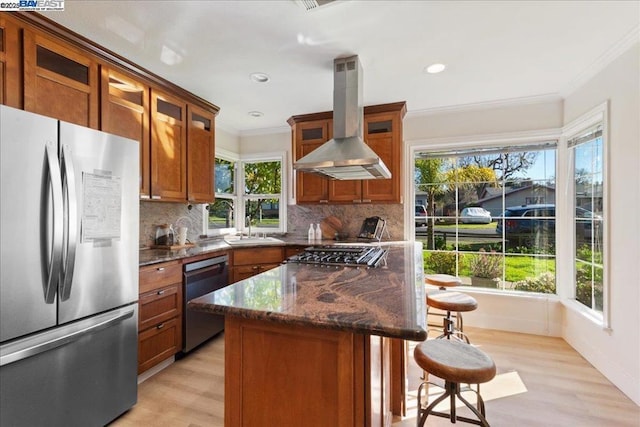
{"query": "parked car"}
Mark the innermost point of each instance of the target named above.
(475, 215)
(528, 224)
(421, 215)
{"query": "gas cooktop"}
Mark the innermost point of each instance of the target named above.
(354, 256)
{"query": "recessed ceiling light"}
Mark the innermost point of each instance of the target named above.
(256, 113)
(435, 68)
(260, 77)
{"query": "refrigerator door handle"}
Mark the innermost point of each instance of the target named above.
(30, 347)
(57, 235)
(71, 211)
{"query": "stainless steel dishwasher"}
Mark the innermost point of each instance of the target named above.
(200, 278)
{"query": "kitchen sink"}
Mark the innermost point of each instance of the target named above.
(252, 241)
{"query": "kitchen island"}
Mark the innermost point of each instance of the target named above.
(312, 345)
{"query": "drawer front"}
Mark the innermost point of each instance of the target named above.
(273, 255)
(158, 343)
(290, 251)
(160, 275)
(244, 272)
(160, 305)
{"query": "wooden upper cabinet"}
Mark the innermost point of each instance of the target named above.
(10, 63)
(168, 147)
(383, 133)
(200, 155)
(59, 81)
(46, 69)
(307, 136)
(125, 112)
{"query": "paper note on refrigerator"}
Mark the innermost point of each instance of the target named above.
(101, 207)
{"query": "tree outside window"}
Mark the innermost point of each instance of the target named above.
(262, 193)
(513, 249)
(257, 205)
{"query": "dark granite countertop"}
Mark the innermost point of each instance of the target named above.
(154, 256)
(386, 301)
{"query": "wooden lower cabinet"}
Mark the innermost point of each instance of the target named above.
(248, 262)
(160, 314)
(285, 375)
(159, 343)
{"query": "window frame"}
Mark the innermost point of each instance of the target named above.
(231, 157)
(243, 197)
(598, 115)
(512, 141)
(239, 197)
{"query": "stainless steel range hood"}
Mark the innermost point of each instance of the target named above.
(346, 156)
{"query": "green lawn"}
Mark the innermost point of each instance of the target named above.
(517, 267)
(265, 222)
(491, 225)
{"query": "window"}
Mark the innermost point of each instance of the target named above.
(262, 194)
(490, 215)
(222, 211)
(259, 203)
(587, 154)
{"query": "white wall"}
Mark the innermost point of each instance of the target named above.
(616, 352)
(266, 143)
(536, 119)
(227, 141)
(505, 117)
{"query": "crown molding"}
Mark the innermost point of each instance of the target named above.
(229, 129)
(265, 131)
(251, 132)
(602, 61)
(478, 106)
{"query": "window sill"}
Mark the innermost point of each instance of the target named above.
(509, 293)
(592, 316)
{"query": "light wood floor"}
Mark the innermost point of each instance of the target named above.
(541, 381)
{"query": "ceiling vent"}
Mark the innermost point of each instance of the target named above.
(313, 4)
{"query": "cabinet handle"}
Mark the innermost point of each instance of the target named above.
(161, 292)
(160, 326)
(156, 197)
(144, 196)
(324, 201)
(366, 200)
(255, 267)
(160, 269)
(357, 201)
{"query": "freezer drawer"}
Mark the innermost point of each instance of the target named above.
(83, 374)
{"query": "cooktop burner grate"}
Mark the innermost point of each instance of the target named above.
(354, 256)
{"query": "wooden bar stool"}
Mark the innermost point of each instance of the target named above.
(456, 363)
(442, 281)
(456, 302)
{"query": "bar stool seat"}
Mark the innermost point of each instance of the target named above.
(442, 280)
(451, 301)
(456, 363)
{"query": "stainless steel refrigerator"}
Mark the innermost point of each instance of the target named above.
(68, 272)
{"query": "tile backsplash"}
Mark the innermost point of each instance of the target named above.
(299, 217)
(153, 214)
